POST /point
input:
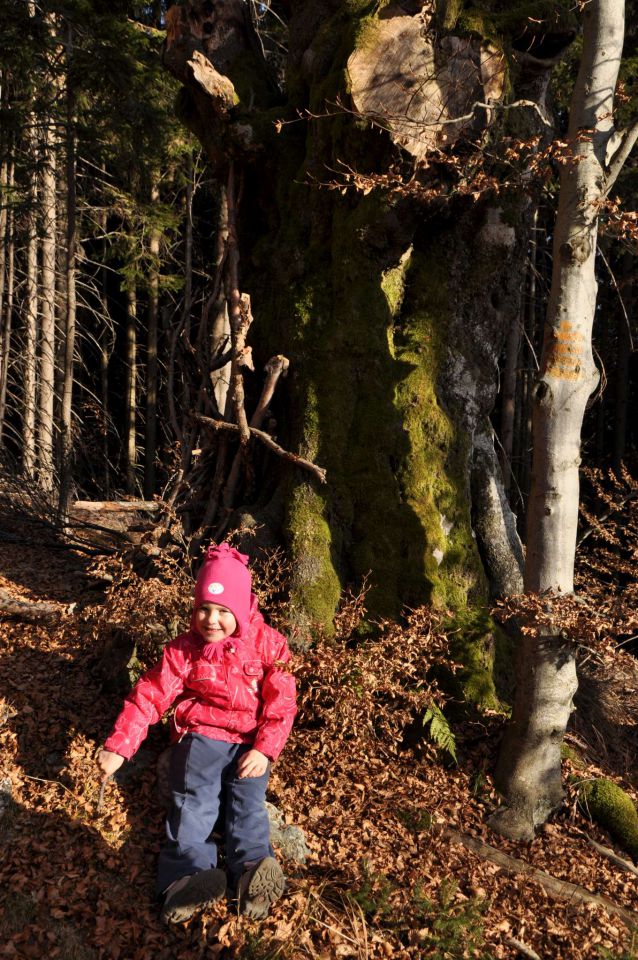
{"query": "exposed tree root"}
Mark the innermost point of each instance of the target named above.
(557, 888)
(611, 855)
(13, 609)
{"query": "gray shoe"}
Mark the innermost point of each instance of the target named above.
(182, 900)
(259, 887)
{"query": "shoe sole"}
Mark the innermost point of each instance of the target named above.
(203, 888)
(261, 889)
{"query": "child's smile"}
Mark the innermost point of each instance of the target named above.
(214, 622)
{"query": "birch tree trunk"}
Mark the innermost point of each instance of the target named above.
(529, 770)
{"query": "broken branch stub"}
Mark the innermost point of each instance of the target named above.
(426, 92)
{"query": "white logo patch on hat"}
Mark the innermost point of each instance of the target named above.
(216, 588)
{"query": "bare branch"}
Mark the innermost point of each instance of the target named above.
(628, 139)
(267, 440)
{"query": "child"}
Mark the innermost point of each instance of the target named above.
(234, 707)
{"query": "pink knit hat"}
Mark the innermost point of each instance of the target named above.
(224, 578)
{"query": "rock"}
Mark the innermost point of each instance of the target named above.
(289, 839)
(6, 796)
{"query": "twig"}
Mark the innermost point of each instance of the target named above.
(268, 441)
(333, 929)
(56, 783)
(620, 299)
(100, 799)
(561, 889)
(522, 948)
(613, 508)
(276, 367)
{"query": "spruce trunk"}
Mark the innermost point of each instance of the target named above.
(7, 319)
(30, 311)
(150, 436)
(130, 419)
(47, 311)
(66, 426)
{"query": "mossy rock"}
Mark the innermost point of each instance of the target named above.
(609, 805)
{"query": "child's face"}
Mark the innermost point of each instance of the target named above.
(214, 622)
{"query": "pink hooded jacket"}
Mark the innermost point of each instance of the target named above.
(234, 690)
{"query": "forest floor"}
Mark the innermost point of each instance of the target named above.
(383, 878)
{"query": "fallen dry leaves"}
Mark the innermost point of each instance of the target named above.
(78, 885)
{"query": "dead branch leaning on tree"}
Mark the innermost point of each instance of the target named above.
(268, 441)
(276, 367)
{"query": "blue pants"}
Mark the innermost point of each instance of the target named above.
(201, 771)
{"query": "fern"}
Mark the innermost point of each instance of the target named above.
(440, 731)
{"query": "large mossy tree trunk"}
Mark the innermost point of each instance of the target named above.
(393, 317)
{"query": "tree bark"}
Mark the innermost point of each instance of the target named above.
(512, 363)
(150, 436)
(393, 330)
(30, 312)
(622, 365)
(4, 208)
(66, 425)
(529, 772)
(7, 313)
(130, 420)
(47, 310)
(106, 347)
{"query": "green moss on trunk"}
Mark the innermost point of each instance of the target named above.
(363, 311)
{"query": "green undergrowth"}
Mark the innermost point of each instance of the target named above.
(452, 928)
(374, 894)
(631, 953)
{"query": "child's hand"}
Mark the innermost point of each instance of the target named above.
(109, 762)
(252, 764)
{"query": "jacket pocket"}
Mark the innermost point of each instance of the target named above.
(208, 683)
(253, 668)
(204, 673)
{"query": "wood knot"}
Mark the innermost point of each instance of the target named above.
(576, 250)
